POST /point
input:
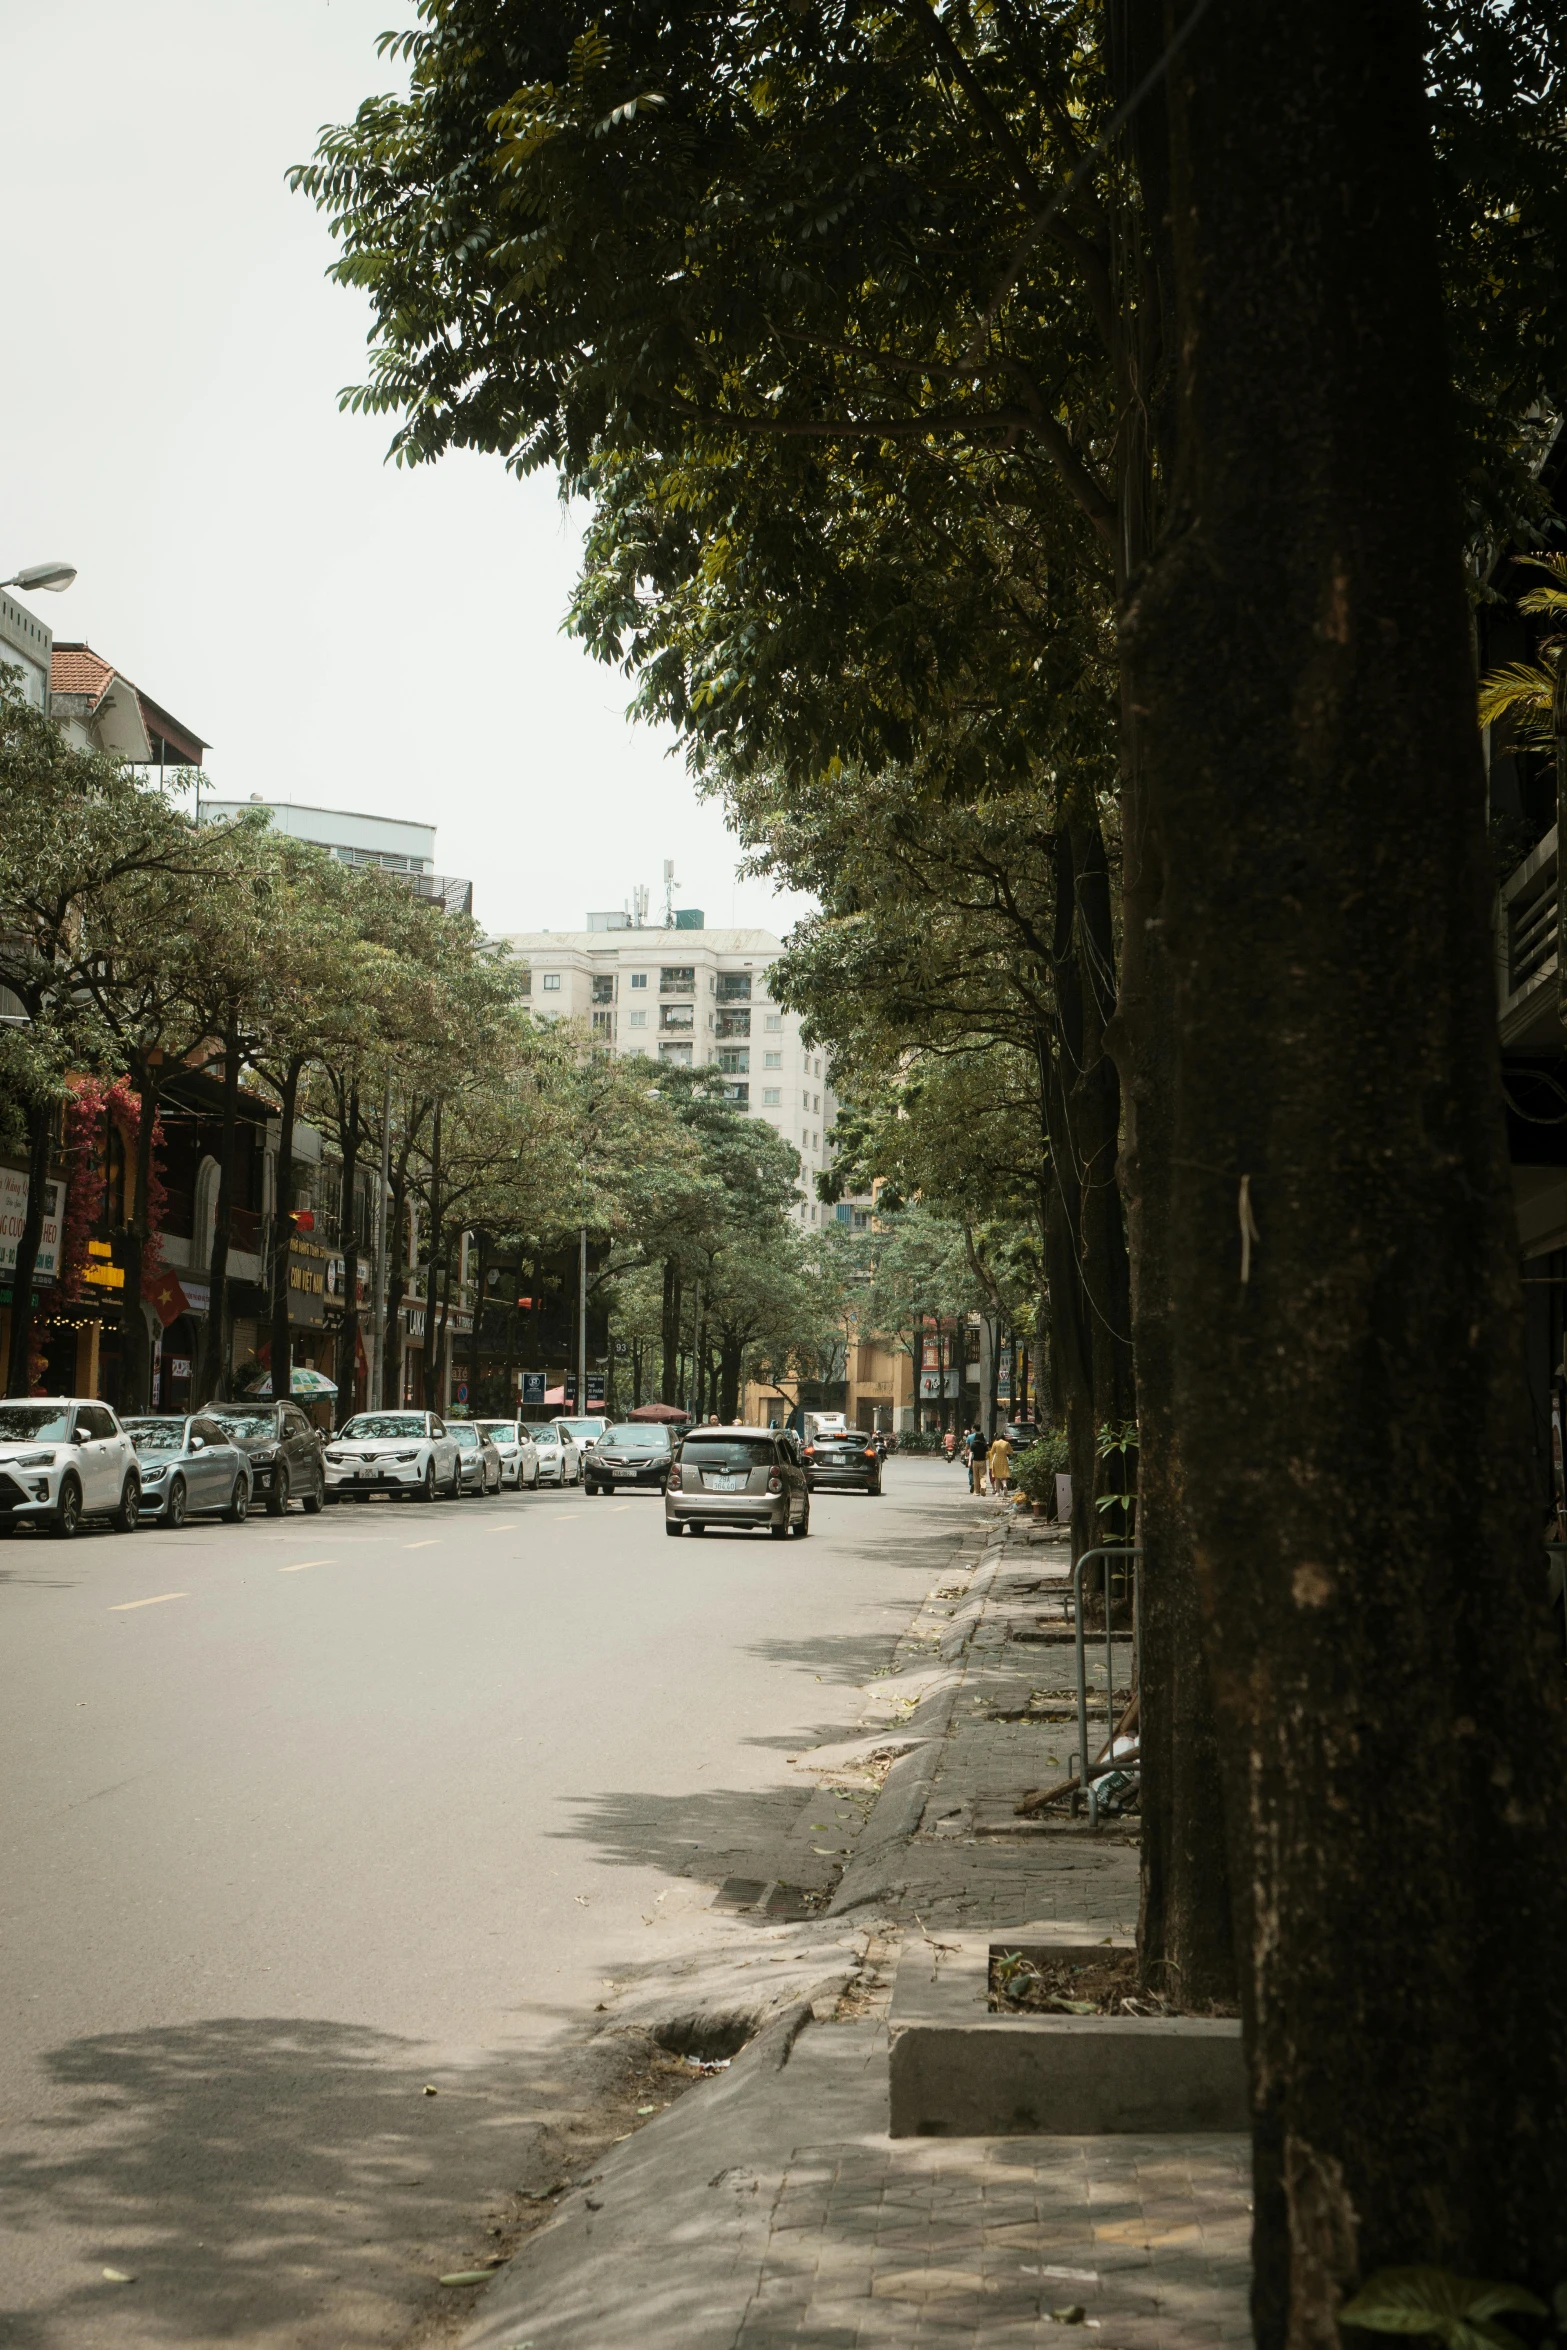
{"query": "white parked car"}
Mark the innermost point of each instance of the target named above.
(64, 1458)
(478, 1458)
(519, 1454)
(560, 1462)
(583, 1433)
(409, 1453)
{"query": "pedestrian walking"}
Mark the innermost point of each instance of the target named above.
(1000, 1465)
(974, 1446)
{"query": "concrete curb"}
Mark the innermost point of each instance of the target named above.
(900, 1806)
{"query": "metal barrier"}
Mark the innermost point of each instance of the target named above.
(1106, 1551)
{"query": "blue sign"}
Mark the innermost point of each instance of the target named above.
(533, 1387)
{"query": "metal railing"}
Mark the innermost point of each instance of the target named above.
(1089, 1772)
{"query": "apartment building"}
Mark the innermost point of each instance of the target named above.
(699, 998)
(392, 842)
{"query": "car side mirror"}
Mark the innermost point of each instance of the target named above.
(198, 1444)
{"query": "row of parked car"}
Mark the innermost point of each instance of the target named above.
(65, 1458)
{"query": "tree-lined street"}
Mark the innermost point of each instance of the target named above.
(302, 1816)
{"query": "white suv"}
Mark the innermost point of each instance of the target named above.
(64, 1458)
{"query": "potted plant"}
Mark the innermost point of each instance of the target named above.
(1034, 1472)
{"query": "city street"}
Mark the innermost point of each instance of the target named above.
(304, 1817)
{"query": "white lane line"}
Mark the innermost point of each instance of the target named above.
(434, 1543)
(300, 1565)
(123, 1606)
(621, 1505)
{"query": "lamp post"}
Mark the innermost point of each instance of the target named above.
(54, 577)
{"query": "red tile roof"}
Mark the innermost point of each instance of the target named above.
(77, 669)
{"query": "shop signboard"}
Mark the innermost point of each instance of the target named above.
(306, 1285)
(595, 1391)
(934, 1383)
(533, 1383)
(13, 1215)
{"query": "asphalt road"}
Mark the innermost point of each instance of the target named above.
(301, 1816)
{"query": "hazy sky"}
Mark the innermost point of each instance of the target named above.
(342, 632)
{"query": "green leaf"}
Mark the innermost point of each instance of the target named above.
(1458, 2311)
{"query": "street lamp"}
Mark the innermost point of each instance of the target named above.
(53, 576)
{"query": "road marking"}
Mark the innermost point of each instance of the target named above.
(122, 1606)
(620, 1505)
(300, 1565)
(434, 1543)
(505, 1529)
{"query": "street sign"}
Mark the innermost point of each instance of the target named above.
(595, 1389)
(533, 1387)
(462, 1391)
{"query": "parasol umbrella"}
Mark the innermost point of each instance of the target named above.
(657, 1411)
(304, 1382)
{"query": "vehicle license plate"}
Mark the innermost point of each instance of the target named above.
(717, 1484)
(617, 1470)
(366, 1476)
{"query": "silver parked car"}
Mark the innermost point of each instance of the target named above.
(519, 1454)
(477, 1458)
(560, 1462)
(737, 1477)
(188, 1463)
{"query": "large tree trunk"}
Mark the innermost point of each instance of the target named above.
(282, 1349)
(41, 1115)
(669, 1387)
(214, 1369)
(1185, 1939)
(1344, 1305)
(396, 1291)
(348, 1237)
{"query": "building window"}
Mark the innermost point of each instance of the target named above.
(740, 1095)
(772, 1060)
(773, 1020)
(552, 983)
(817, 1104)
(680, 1054)
(734, 1023)
(603, 987)
(639, 979)
(807, 1101)
(862, 1220)
(770, 1097)
(525, 983)
(735, 1059)
(734, 987)
(639, 1019)
(604, 1024)
(676, 1016)
(677, 979)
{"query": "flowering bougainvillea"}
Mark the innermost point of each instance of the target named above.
(93, 1101)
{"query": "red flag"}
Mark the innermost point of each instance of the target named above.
(163, 1293)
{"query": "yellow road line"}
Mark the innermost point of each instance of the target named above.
(122, 1607)
(300, 1565)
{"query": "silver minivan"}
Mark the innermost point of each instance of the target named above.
(737, 1477)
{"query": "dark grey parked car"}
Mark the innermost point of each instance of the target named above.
(285, 1453)
(188, 1463)
(737, 1477)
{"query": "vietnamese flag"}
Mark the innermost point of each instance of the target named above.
(165, 1296)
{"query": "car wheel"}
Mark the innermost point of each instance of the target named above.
(239, 1503)
(426, 1483)
(174, 1508)
(315, 1502)
(672, 1526)
(780, 1533)
(277, 1499)
(127, 1517)
(804, 1527)
(68, 1509)
(455, 1492)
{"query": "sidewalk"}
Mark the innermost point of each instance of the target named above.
(771, 2206)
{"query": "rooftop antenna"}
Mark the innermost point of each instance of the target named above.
(669, 893)
(639, 906)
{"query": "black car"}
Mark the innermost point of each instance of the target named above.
(634, 1453)
(286, 1454)
(849, 1460)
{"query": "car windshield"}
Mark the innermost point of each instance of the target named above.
(44, 1423)
(542, 1434)
(247, 1425)
(637, 1437)
(374, 1424)
(498, 1431)
(156, 1435)
(728, 1452)
(465, 1432)
(583, 1430)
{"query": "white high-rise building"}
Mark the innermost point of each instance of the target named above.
(699, 998)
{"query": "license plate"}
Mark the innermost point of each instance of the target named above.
(622, 1472)
(367, 1476)
(724, 1484)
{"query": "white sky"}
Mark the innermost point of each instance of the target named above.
(343, 632)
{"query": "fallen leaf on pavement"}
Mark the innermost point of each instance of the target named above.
(428, 2091)
(468, 2276)
(117, 2276)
